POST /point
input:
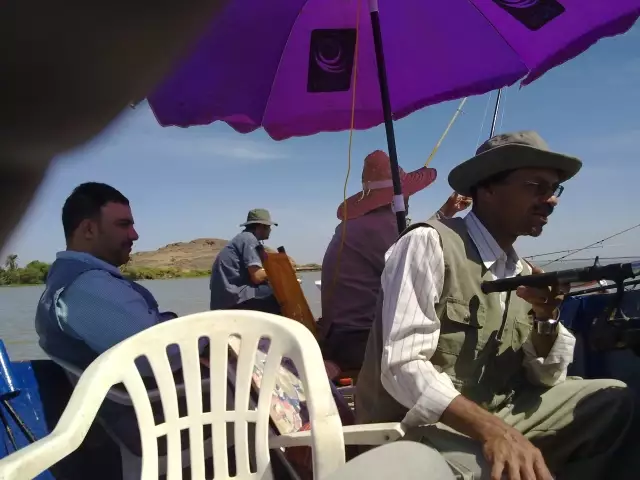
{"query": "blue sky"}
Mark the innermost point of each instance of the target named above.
(200, 182)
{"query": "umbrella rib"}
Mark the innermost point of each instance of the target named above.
(501, 36)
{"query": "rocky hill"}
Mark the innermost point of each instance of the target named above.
(197, 254)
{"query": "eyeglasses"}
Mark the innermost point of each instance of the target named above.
(544, 189)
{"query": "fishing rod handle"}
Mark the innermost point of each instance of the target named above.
(538, 280)
(615, 272)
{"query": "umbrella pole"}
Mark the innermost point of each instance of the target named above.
(398, 198)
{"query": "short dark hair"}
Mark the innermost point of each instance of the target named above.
(85, 202)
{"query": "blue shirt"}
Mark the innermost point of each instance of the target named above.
(230, 282)
(103, 309)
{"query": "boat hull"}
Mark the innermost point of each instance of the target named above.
(44, 391)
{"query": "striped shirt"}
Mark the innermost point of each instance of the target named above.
(415, 262)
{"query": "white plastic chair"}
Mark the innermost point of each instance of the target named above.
(131, 463)
(116, 394)
(116, 365)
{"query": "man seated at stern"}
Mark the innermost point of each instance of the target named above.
(238, 279)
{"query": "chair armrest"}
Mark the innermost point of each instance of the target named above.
(32, 460)
(373, 433)
(369, 434)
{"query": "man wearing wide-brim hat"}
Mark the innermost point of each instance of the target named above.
(485, 375)
(354, 258)
(237, 277)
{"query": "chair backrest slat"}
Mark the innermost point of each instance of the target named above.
(244, 373)
(244, 370)
(218, 372)
(267, 385)
(190, 356)
(146, 423)
(166, 385)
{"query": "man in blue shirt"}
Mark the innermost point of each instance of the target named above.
(237, 277)
(88, 306)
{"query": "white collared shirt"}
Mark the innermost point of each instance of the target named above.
(412, 283)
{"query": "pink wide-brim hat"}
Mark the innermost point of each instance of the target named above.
(377, 186)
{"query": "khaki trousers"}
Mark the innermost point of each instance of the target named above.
(578, 425)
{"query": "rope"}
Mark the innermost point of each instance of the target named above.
(334, 281)
(538, 255)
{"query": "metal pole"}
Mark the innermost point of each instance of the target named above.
(398, 198)
(495, 114)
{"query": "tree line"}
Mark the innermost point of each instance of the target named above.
(35, 272)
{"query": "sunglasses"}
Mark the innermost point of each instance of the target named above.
(542, 189)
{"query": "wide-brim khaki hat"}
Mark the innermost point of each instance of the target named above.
(510, 151)
(259, 216)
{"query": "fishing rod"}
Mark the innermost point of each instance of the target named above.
(537, 255)
(8, 391)
(611, 329)
(602, 288)
(591, 245)
(616, 259)
(446, 131)
(26, 431)
(616, 272)
(8, 431)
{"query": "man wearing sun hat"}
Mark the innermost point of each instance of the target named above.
(479, 375)
(237, 277)
(354, 259)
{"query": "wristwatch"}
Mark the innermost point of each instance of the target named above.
(546, 327)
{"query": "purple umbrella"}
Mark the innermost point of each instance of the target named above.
(287, 65)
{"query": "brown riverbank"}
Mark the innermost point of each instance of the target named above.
(196, 255)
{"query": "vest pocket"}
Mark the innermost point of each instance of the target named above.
(461, 327)
(460, 311)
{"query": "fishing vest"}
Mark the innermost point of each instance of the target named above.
(57, 338)
(479, 347)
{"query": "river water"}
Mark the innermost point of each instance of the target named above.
(183, 296)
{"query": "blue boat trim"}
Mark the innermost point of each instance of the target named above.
(43, 391)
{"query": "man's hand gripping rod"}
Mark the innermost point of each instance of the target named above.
(616, 272)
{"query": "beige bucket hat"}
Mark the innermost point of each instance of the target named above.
(510, 151)
(260, 216)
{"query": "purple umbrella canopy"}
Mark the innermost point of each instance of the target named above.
(288, 65)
